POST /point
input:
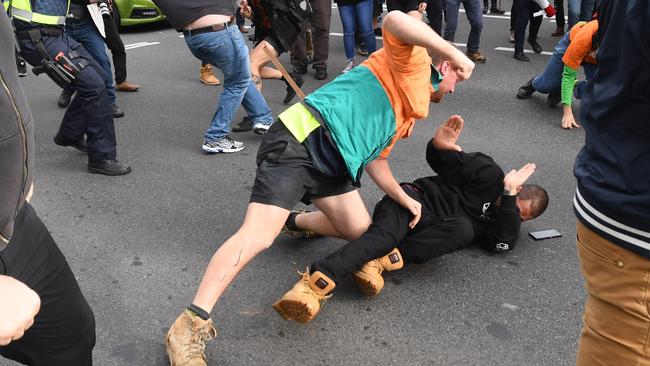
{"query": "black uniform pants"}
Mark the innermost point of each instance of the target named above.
(522, 12)
(320, 32)
(435, 10)
(63, 333)
(89, 112)
(432, 237)
(115, 44)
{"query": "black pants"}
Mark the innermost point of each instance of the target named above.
(522, 12)
(63, 333)
(434, 14)
(89, 112)
(115, 44)
(559, 15)
(432, 237)
(320, 33)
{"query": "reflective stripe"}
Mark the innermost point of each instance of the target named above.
(32, 17)
(299, 121)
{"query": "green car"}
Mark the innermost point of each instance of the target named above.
(134, 12)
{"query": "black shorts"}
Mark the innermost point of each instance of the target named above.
(403, 5)
(285, 174)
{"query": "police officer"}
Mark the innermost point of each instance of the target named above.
(39, 30)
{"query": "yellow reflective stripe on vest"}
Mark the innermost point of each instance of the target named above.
(32, 17)
(299, 121)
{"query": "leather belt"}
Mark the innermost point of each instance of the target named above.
(208, 29)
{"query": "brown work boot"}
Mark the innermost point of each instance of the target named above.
(185, 341)
(127, 87)
(476, 56)
(304, 300)
(207, 77)
(369, 278)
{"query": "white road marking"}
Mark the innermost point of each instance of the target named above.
(508, 49)
(139, 44)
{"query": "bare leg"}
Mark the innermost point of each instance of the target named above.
(261, 226)
(259, 58)
(270, 73)
(346, 214)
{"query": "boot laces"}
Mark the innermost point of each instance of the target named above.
(199, 335)
(306, 289)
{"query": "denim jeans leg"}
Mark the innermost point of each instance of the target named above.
(87, 34)
(573, 7)
(363, 11)
(474, 12)
(225, 50)
(348, 21)
(586, 10)
(256, 107)
(452, 19)
(551, 79)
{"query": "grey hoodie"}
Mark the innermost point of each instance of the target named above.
(16, 136)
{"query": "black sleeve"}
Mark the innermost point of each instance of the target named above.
(80, 2)
(463, 169)
(503, 233)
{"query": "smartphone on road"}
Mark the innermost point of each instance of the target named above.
(544, 234)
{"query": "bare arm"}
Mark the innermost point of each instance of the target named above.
(380, 172)
(420, 34)
(18, 306)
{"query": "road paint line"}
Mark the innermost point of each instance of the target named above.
(508, 49)
(138, 45)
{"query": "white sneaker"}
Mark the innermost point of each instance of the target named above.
(261, 128)
(349, 66)
(223, 145)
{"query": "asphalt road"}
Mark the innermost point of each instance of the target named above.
(139, 244)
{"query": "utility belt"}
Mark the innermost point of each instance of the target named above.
(59, 68)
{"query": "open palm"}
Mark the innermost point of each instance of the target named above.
(446, 136)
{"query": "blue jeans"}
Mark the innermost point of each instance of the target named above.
(474, 12)
(226, 50)
(357, 14)
(551, 79)
(87, 34)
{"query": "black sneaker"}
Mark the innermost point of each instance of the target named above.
(299, 67)
(290, 92)
(244, 125)
(526, 91)
(64, 98)
(80, 144)
(554, 98)
(261, 128)
(321, 73)
(108, 167)
(536, 47)
(521, 56)
(496, 11)
(117, 111)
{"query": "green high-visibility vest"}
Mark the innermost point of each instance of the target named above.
(22, 9)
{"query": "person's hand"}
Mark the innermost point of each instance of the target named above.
(568, 122)
(245, 10)
(414, 207)
(462, 65)
(446, 135)
(422, 7)
(513, 180)
(18, 306)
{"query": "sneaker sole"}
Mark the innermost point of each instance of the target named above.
(210, 150)
(294, 310)
(260, 130)
(97, 171)
(366, 284)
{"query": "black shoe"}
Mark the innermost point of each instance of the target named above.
(299, 68)
(117, 111)
(321, 73)
(554, 98)
(80, 144)
(536, 47)
(64, 98)
(108, 167)
(244, 125)
(290, 92)
(496, 11)
(521, 56)
(485, 8)
(526, 91)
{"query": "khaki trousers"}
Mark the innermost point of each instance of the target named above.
(616, 323)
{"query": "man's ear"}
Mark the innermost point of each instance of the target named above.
(445, 67)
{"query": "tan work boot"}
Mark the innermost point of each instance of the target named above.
(185, 341)
(304, 300)
(207, 77)
(369, 278)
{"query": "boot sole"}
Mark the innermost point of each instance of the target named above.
(366, 285)
(294, 310)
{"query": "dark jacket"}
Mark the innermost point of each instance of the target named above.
(16, 136)
(613, 168)
(283, 19)
(471, 185)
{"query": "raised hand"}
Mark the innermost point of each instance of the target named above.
(446, 135)
(513, 180)
(245, 10)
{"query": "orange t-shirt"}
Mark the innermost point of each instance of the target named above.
(404, 71)
(579, 49)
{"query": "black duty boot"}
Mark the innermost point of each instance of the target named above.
(80, 144)
(290, 92)
(521, 56)
(554, 98)
(536, 47)
(64, 98)
(117, 111)
(299, 67)
(526, 91)
(108, 167)
(321, 73)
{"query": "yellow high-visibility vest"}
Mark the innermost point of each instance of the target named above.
(22, 9)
